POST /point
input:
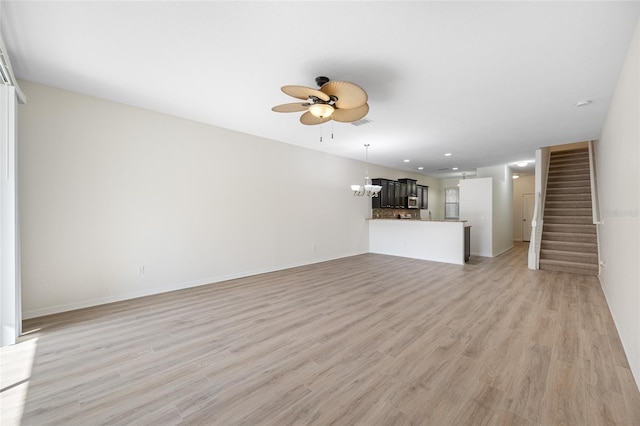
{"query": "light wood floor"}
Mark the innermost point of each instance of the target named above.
(367, 340)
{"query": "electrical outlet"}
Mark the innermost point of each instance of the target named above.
(141, 270)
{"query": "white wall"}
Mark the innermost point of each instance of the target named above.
(502, 210)
(618, 170)
(486, 203)
(437, 241)
(476, 207)
(522, 185)
(447, 183)
(119, 202)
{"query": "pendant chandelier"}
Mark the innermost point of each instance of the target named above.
(367, 189)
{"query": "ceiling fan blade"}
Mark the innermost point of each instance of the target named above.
(310, 119)
(293, 107)
(349, 95)
(350, 115)
(302, 92)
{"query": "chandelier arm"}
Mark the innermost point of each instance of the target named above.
(367, 189)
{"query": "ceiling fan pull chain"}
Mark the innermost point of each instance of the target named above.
(321, 131)
(332, 129)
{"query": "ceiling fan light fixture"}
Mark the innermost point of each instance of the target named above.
(321, 110)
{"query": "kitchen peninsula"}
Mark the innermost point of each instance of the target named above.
(439, 241)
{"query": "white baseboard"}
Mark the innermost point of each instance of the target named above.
(87, 303)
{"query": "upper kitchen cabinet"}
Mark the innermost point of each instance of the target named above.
(401, 195)
(412, 186)
(386, 197)
(395, 194)
(423, 196)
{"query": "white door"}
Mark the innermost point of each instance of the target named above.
(528, 202)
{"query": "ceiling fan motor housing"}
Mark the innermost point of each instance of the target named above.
(321, 80)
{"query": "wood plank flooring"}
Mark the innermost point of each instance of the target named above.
(365, 340)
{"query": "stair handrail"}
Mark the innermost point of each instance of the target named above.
(595, 204)
(542, 172)
(595, 210)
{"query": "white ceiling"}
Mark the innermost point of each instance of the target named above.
(489, 82)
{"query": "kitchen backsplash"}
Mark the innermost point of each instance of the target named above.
(395, 213)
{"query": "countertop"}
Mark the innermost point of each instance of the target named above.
(415, 220)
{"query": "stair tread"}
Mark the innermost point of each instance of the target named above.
(572, 264)
(568, 178)
(567, 168)
(565, 198)
(567, 204)
(570, 243)
(562, 174)
(569, 197)
(584, 230)
(571, 209)
(585, 237)
(569, 220)
(566, 253)
(566, 165)
(583, 182)
(568, 190)
(581, 155)
(562, 234)
(571, 151)
(569, 269)
(567, 158)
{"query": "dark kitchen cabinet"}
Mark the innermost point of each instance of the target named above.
(386, 196)
(467, 243)
(423, 196)
(390, 200)
(394, 193)
(412, 186)
(401, 194)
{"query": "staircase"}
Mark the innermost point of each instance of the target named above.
(569, 241)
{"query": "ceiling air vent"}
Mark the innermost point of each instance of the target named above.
(361, 122)
(443, 169)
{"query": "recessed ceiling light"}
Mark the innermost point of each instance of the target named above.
(448, 154)
(522, 163)
(406, 161)
(420, 168)
(516, 176)
(454, 168)
(584, 103)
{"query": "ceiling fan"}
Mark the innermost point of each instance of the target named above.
(335, 100)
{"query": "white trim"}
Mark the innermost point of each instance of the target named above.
(5, 65)
(10, 306)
